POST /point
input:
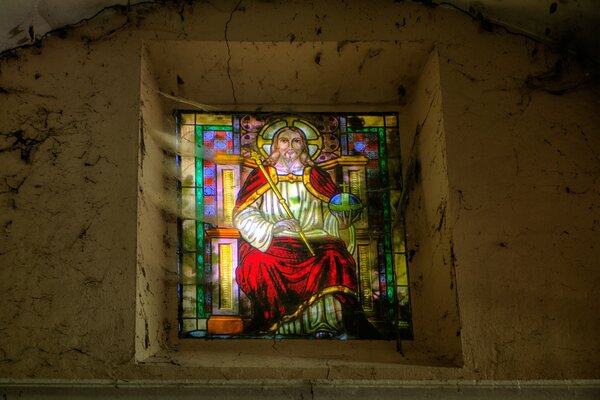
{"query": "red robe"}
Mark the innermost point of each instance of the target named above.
(286, 279)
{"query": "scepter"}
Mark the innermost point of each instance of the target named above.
(256, 158)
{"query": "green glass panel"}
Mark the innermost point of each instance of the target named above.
(199, 176)
(216, 128)
(199, 204)
(200, 294)
(363, 130)
(199, 223)
(384, 165)
(389, 265)
(389, 271)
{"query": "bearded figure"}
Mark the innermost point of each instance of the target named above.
(295, 292)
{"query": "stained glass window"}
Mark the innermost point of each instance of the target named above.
(287, 229)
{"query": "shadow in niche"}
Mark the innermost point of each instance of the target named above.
(433, 293)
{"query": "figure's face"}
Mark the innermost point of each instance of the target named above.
(290, 145)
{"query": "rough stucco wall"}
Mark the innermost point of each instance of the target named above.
(152, 272)
(68, 150)
(429, 235)
(525, 180)
(68, 163)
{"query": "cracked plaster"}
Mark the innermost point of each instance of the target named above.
(520, 201)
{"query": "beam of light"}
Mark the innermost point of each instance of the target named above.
(168, 201)
(200, 106)
(170, 143)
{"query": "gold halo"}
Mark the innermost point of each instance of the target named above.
(314, 140)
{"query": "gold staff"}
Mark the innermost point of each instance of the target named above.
(256, 158)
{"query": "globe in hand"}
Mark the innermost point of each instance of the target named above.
(346, 207)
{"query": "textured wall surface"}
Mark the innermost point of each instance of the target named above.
(517, 212)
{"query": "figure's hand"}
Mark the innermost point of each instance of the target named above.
(286, 225)
(346, 219)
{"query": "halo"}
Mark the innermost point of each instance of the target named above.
(314, 140)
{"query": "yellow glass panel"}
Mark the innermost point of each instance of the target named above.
(395, 197)
(187, 118)
(228, 195)
(372, 120)
(402, 294)
(365, 277)
(391, 120)
(355, 184)
(401, 273)
(188, 171)
(188, 268)
(225, 276)
(188, 203)
(188, 133)
(189, 235)
(213, 119)
(189, 300)
(189, 325)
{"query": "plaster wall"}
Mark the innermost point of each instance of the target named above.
(509, 192)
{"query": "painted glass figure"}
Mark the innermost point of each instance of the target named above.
(293, 265)
(287, 229)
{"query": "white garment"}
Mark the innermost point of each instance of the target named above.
(256, 221)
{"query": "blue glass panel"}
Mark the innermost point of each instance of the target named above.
(220, 145)
(209, 135)
(209, 172)
(372, 155)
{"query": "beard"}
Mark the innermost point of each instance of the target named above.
(291, 154)
(300, 155)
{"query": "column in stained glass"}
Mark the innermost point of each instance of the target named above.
(364, 265)
(228, 195)
(225, 277)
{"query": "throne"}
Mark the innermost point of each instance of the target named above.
(230, 306)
